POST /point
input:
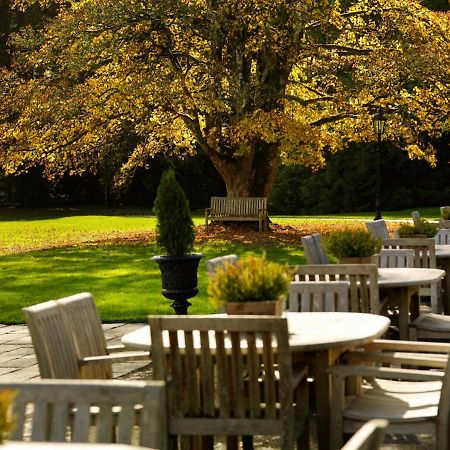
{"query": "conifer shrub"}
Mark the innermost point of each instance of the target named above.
(175, 228)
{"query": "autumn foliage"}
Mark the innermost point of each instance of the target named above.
(251, 83)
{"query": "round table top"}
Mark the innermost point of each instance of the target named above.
(307, 331)
(401, 277)
(442, 251)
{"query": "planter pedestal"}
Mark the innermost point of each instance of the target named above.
(179, 279)
(264, 308)
(359, 260)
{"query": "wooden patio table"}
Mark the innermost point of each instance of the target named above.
(401, 286)
(317, 339)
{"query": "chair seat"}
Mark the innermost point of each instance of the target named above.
(401, 387)
(432, 322)
(399, 407)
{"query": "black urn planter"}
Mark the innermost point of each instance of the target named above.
(179, 279)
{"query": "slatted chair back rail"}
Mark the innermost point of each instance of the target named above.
(415, 215)
(396, 257)
(55, 349)
(328, 296)
(313, 249)
(442, 237)
(126, 412)
(213, 264)
(317, 238)
(362, 280)
(237, 206)
(85, 325)
(378, 229)
(215, 369)
(368, 437)
(424, 250)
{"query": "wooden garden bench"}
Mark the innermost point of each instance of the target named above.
(238, 209)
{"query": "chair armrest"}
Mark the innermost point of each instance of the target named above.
(120, 357)
(437, 360)
(386, 372)
(116, 348)
(207, 210)
(414, 346)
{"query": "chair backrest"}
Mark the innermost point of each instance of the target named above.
(313, 249)
(415, 217)
(317, 296)
(55, 348)
(215, 366)
(362, 279)
(213, 264)
(378, 229)
(424, 250)
(368, 437)
(442, 237)
(397, 257)
(109, 411)
(84, 324)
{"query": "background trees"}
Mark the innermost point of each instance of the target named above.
(249, 83)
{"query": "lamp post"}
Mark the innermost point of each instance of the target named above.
(379, 125)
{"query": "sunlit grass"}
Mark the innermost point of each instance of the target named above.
(125, 283)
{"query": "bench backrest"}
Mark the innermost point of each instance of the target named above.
(313, 249)
(238, 206)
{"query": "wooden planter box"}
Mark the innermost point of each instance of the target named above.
(269, 307)
(359, 260)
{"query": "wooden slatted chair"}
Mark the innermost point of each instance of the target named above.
(230, 377)
(368, 437)
(125, 412)
(414, 401)
(362, 280)
(213, 264)
(68, 339)
(313, 249)
(317, 296)
(396, 257)
(378, 229)
(442, 237)
(424, 257)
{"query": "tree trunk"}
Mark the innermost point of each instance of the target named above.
(251, 175)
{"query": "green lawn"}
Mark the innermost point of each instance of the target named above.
(47, 254)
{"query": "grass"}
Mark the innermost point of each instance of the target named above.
(46, 254)
(125, 282)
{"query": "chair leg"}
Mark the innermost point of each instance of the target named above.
(247, 442)
(232, 443)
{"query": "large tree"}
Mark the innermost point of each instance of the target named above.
(251, 83)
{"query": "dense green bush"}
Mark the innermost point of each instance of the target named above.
(175, 229)
(422, 227)
(351, 243)
(252, 278)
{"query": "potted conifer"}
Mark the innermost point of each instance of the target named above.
(421, 229)
(175, 233)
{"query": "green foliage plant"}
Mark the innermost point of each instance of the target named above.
(252, 278)
(445, 212)
(422, 227)
(351, 243)
(175, 228)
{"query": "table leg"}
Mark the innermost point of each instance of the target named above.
(444, 264)
(320, 364)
